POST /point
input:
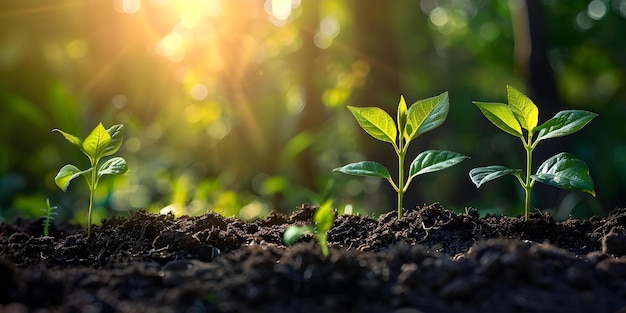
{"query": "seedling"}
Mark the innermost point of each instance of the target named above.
(521, 116)
(48, 217)
(324, 218)
(100, 143)
(421, 117)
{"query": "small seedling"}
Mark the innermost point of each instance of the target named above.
(421, 117)
(48, 217)
(562, 170)
(100, 143)
(324, 218)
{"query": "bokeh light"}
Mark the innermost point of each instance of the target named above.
(239, 106)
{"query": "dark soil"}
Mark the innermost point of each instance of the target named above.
(432, 260)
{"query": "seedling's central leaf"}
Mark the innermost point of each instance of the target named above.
(427, 114)
(501, 115)
(567, 172)
(525, 111)
(402, 118)
(481, 175)
(564, 123)
(97, 142)
(376, 122)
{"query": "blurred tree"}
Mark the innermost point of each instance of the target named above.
(531, 56)
(314, 113)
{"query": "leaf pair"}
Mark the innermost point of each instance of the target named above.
(522, 113)
(421, 117)
(425, 162)
(563, 171)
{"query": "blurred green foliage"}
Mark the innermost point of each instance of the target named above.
(239, 106)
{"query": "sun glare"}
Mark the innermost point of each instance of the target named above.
(127, 6)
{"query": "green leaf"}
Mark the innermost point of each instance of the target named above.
(434, 160)
(481, 175)
(565, 171)
(112, 166)
(324, 217)
(427, 114)
(97, 142)
(402, 118)
(294, 233)
(66, 174)
(376, 122)
(69, 137)
(525, 111)
(365, 168)
(501, 115)
(564, 123)
(117, 136)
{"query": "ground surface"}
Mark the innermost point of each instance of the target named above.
(432, 260)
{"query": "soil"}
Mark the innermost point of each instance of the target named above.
(431, 260)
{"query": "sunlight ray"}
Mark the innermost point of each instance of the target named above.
(41, 8)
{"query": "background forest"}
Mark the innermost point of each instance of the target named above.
(239, 107)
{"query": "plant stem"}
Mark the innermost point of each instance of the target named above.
(89, 214)
(528, 185)
(401, 155)
(92, 189)
(323, 244)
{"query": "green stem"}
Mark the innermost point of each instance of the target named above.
(89, 216)
(323, 245)
(92, 189)
(528, 185)
(401, 155)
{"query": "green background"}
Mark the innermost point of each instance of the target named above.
(239, 107)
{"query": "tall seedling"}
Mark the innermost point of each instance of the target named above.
(421, 117)
(100, 143)
(521, 116)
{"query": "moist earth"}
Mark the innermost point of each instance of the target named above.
(431, 260)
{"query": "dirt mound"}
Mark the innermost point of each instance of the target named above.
(430, 260)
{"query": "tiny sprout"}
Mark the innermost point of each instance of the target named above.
(100, 143)
(324, 218)
(48, 217)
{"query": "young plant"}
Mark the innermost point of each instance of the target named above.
(421, 117)
(324, 218)
(100, 143)
(519, 118)
(48, 217)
